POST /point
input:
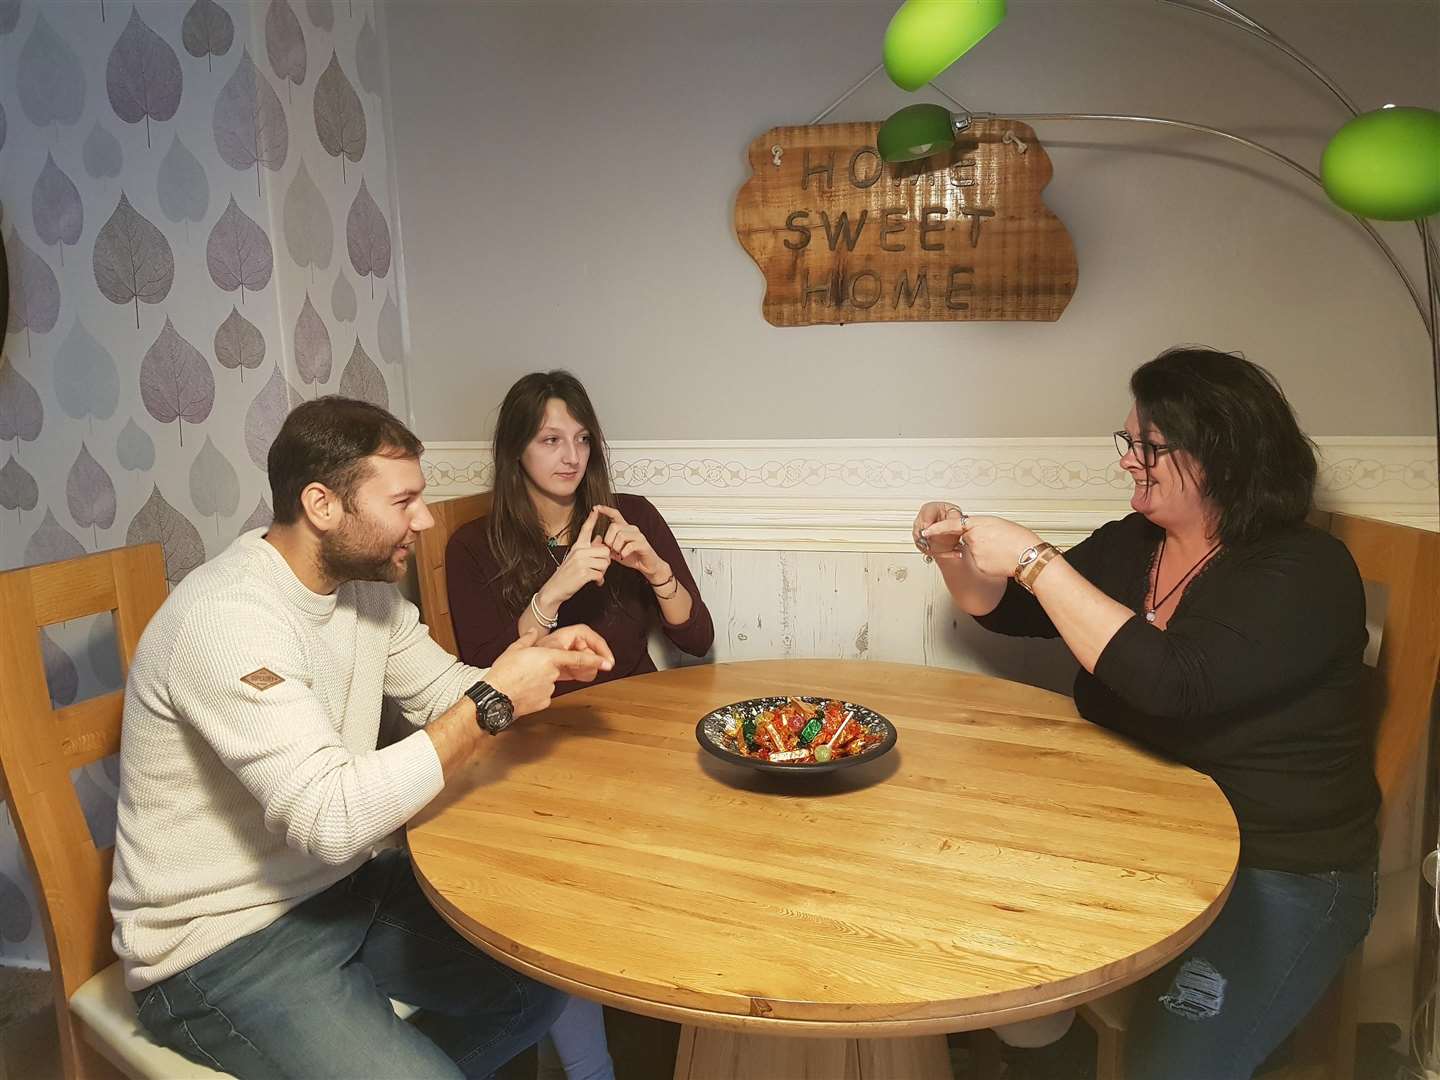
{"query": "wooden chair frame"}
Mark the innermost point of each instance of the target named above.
(430, 562)
(40, 745)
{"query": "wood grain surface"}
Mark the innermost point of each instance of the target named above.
(1005, 860)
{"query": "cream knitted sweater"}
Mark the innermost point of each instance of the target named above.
(249, 774)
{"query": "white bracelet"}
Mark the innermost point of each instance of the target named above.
(548, 624)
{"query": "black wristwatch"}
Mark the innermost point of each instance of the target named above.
(494, 712)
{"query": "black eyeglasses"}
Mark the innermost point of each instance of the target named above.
(1147, 453)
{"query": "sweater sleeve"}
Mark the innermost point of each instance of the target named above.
(697, 633)
(420, 676)
(1270, 622)
(329, 800)
(483, 629)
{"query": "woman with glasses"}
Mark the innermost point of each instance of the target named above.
(1216, 627)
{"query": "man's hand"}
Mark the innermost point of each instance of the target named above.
(526, 673)
(580, 638)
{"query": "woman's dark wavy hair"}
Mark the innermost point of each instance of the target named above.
(1234, 421)
(513, 528)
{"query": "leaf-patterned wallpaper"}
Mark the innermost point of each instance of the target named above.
(195, 205)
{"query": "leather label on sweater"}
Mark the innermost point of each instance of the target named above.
(262, 679)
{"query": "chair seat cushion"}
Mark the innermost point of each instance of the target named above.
(107, 1012)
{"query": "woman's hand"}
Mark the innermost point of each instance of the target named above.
(993, 544)
(628, 547)
(943, 544)
(586, 562)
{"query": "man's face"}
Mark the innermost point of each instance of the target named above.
(373, 542)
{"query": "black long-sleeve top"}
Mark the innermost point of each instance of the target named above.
(1257, 681)
(622, 615)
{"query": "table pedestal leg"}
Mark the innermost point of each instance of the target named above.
(709, 1054)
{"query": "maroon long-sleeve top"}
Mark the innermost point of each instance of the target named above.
(485, 627)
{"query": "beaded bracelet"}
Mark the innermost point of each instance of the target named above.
(548, 624)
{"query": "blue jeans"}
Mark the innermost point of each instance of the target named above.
(308, 996)
(1218, 1010)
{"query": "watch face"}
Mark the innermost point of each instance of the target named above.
(1028, 556)
(498, 716)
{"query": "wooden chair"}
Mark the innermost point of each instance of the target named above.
(1406, 562)
(39, 746)
(430, 562)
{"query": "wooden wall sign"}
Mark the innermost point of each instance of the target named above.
(843, 237)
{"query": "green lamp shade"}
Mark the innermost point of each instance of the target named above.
(915, 132)
(926, 36)
(1385, 164)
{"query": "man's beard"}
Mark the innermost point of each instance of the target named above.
(353, 553)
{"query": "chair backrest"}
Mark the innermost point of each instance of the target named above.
(430, 562)
(40, 744)
(1406, 562)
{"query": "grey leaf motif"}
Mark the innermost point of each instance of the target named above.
(339, 116)
(104, 654)
(90, 492)
(51, 543)
(321, 12)
(214, 486)
(239, 343)
(157, 522)
(143, 76)
(392, 348)
(133, 260)
(250, 125)
(342, 299)
(18, 490)
(10, 15)
(50, 79)
(239, 253)
(60, 674)
(285, 43)
(21, 414)
(264, 417)
(181, 184)
(368, 237)
(309, 233)
(134, 449)
(84, 377)
(175, 381)
(260, 517)
(102, 154)
(34, 292)
(207, 31)
(56, 207)
(312, 345)
(362, 379)
(367, 58)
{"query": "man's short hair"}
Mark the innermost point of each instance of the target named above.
(326, 441)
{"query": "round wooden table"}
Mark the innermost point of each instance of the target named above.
(1004, 861)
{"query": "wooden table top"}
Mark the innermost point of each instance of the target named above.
(1005, 860)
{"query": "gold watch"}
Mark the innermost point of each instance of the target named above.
(1032, 561)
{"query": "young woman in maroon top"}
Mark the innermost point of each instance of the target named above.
(559, 546)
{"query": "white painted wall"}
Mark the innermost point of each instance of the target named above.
(567, 173)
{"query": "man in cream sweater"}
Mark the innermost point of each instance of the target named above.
(262, 933)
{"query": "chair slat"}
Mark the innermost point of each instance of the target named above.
(90, 730)
(72, 589)
(430, 562)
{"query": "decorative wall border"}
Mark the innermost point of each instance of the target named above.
(863, 493)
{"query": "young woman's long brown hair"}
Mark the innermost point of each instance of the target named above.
(516, 536)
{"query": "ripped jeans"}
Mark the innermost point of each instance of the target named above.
(1217, 1011)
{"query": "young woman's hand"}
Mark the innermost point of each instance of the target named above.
(586, 562)
(629, 547)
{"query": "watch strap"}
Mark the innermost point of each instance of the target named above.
(1029, 569)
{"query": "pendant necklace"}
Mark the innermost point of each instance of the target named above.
(1152, 608)
(552, 541)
